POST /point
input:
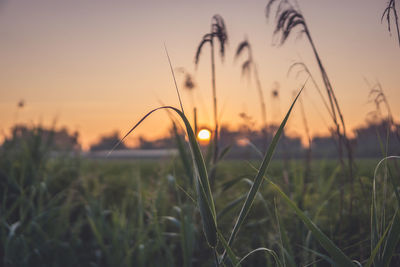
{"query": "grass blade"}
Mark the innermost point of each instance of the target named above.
(392, 240)
(183, 155)
(231, 255)
(377, 248)
(173, 76)
(205, 199)
(230, 206)
(322, 256)
(259, 177)
(336, 254)
(385, 254)
(286, 249)
(270, 251)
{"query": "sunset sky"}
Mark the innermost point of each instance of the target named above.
(97, 66)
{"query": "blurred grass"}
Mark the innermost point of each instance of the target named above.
(68, 211)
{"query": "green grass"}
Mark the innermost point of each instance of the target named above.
(67, 211)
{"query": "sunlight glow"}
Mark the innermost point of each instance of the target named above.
(204, 135)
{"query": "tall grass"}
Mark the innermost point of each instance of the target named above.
(205, 200)
(63, 211)
(218, 33)
(391, 9)
(289, 18)
(83, 213)
(249, 67)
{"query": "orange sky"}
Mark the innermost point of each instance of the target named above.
(98, 66)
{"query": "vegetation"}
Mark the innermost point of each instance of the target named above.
(64, 211)
(107, 142)
(249, 67)
(391, 9)
(58, 209)
(218, 32)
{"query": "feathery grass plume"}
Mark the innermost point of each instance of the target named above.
(275, 100)
(218, 32)
(289, 18)
(188, 82)
(20, 106)
(377, 95)
(391, 8)
(248, 67)
(189, 85)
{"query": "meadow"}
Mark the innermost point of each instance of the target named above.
(70, 211)
(199, 208)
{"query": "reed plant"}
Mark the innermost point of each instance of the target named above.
(64, 211)
(249, 68)
(218, 33)
(288, 18)
(391, 9)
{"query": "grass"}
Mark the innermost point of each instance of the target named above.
(391, 9)
(288, 19)
(61, 210)
(141, 213)
(249, 67)
(79, 212)
(218, 33)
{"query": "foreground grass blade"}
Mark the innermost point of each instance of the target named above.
(183, 155)
(259, 177)
(322, 256)
(377, 248)
(393, 230)
(336, 254)
(270, 251)
(205, 199)
(231, 255)
(284, 243)
(392, 240)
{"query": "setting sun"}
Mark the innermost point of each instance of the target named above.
(204, 135)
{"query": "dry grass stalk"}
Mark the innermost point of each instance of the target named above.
(391, 8)
(217, 33)
(289, 18)
(249, 67)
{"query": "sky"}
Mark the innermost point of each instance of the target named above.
(98, 66)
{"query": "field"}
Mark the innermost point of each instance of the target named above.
(240, 190)
(68, 211)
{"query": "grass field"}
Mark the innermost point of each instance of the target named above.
(68, 211)
(198, 209)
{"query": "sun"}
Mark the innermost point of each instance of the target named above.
(204, 135)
